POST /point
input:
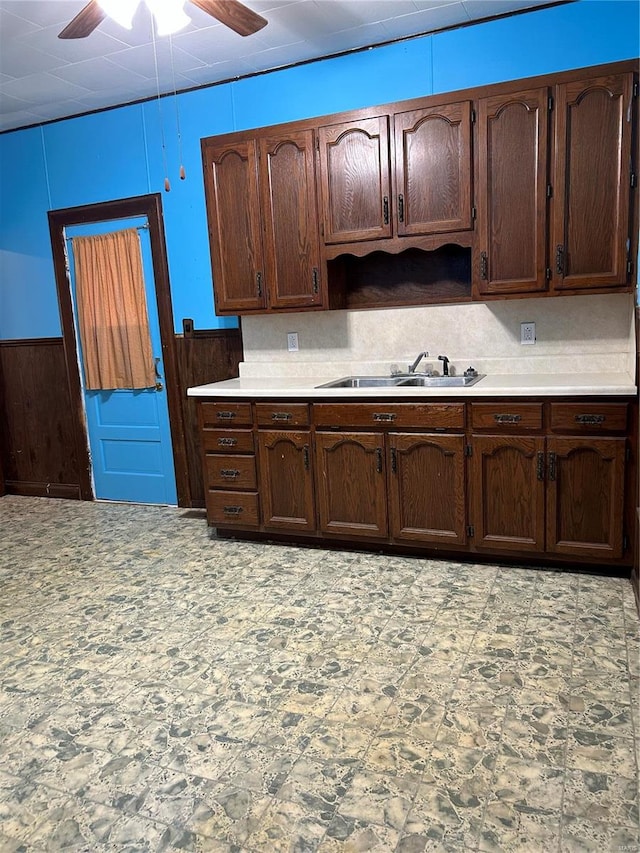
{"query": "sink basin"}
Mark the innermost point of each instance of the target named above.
(441, 381)
(365, 382)
(403, 381)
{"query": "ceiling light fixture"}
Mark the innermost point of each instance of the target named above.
(169, 15)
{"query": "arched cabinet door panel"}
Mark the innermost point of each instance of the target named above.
(591, 183)
(286, 479)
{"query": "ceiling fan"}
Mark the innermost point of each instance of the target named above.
(232, 13)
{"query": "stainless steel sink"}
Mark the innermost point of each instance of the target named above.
(441, 381)
(403, 381)
(364, 382)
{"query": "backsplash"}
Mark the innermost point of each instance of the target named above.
(574, 334)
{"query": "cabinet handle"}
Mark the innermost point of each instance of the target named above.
(484, 266)
(314, 277)
(385, 209)
(540, 466)
(305, 457)
(229, 473)
(384, 416)
(227, 442)
(281, 416)
(259, 283)
(232, 510)
(560, 260)
(507, 419)
(590, 419)
(226, 416)
(394, 460)
(379, 460)
(552, 466)
(401, 208)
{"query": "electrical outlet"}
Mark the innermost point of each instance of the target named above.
(292, 341)
(527, 334)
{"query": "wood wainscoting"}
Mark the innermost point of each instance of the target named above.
(38, 455)
(205, 355)
(635, 572)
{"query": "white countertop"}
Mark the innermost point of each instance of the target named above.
(504, 385)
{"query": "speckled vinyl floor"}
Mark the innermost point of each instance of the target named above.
(161, 690)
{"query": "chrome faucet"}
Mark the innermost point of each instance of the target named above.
(413, 366)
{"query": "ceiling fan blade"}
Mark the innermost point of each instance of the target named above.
(234, 14)
(84, 22)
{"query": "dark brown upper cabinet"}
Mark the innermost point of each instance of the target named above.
(355, 180)
(428, 190)
(433, 169)
(591, 207)
(263, 225)
(513, 144)
(231, 189)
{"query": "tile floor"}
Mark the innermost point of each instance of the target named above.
(162, 690)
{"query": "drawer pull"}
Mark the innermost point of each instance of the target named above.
(232, 510)
(394, 460)
(305, 457)
(226, 416)
(484, 266)
(229, 473)
(379, 460)
(590, 419)
(540, 466)
(507, 419)
(552, 466)
(384, 416)
(227, 442)
(281, 416)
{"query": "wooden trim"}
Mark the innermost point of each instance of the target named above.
(151, 207)
(30, 342)
(43, 490)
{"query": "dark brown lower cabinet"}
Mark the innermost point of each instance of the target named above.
(286, 480)
(562, 495)
(507, 487)
(585, 496)
(427, 488)
(352, 496)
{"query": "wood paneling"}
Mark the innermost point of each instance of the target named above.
(204, 356)
(37, 440)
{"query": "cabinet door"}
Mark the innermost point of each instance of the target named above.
(507, 482)
(512, 189)
(291, 240)
(286, 482)
(585, 502)
(352, 494)
(433, 169)
(591, 183)
(233, 211)
(355, 180)
(427, 488)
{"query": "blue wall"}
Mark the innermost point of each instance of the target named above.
(117, 153)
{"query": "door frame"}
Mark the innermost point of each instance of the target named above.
(150, 206)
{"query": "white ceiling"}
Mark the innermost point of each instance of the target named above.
(44, 78)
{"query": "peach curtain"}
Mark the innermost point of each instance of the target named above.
(112, 311)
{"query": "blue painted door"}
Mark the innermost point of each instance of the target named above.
(129, 433)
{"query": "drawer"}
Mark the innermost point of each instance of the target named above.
(227, 440)
(232, 509)
(506, 417)
(285, 414)
(215, 414)
(230, 472)
(589, 417)
(418, 415)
